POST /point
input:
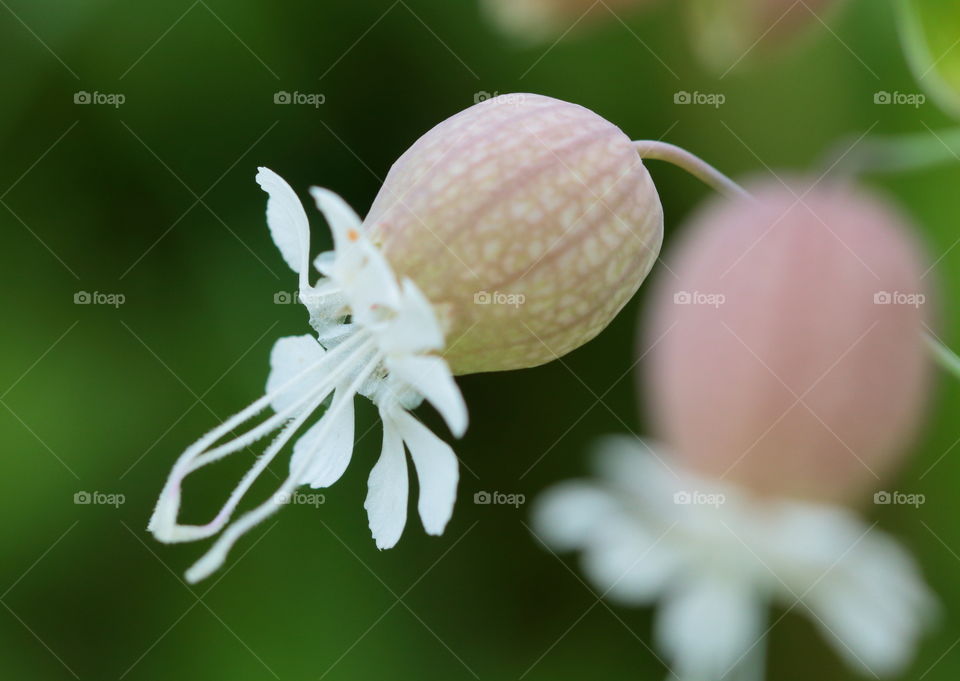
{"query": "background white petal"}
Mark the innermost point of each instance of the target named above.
(567, 515)
(873, 605)
(627, 563)
(437, 471)
(631, 464)
(286, 219)
(388, 488)
(708, 625)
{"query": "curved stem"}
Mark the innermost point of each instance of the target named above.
(945, 357)
(662, 151)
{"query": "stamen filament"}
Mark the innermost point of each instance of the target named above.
(164, 521)
(276, 420)
(214, 558)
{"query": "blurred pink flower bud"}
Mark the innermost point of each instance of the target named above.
(727, 31)
(527, 222)
(789, 352)
(535, 20)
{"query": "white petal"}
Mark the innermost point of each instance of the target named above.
(387, 491)
(358, 266)
(339, 215)
(324, 450)
(811, 537)
(634, 465)
(415, 328)
(327, 307)
(431, 377)
(324, 262)
(286, 219)
(708, 624)
(290, 357)
(437, 470)
(325, 299)
(567, 515)
(368, 282)
(873, 605)
(627, 563)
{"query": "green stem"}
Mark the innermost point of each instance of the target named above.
(945, 357)
(662, 151)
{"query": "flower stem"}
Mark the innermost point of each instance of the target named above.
(656, 150)
(946, 358)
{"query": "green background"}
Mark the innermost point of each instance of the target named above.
(155, 200)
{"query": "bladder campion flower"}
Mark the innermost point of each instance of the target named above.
(788, 369)
(521, 199)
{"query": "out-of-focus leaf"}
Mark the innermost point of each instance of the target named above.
(930, 30)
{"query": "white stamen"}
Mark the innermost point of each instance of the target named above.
(164, 524)
(386, 352)
(214, 558)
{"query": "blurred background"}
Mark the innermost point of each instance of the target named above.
(130, 136)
